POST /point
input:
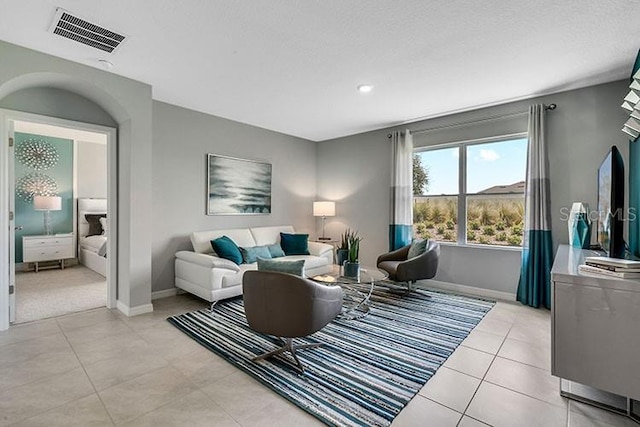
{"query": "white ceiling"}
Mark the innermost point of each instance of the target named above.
(293, 66)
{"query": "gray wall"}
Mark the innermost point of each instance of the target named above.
(53, 102)
(128, 103)
(91, 170)
(355, 171)
(181, 139)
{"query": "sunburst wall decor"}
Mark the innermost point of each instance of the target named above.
(37, 154)
(36, 184)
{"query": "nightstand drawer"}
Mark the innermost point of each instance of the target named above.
(39, 242)
(46, 253)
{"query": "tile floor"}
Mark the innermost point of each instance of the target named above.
(101, 368)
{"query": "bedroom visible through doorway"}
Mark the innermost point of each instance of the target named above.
(61, 223)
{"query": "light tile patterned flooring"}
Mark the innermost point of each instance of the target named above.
(101, 368)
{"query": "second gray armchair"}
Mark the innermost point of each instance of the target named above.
(408, 271)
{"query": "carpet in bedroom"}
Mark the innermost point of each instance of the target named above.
(51, 293)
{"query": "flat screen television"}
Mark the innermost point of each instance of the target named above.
(611, 204)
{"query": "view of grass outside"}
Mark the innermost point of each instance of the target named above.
(490, 220)
(494, 202)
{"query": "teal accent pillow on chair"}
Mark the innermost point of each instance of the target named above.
(227, 249)
(275, 250)
(294, 244)
(251, 254)
(291, 267)
(418, 247)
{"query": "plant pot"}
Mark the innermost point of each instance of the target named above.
(341, 256)
(352, 269)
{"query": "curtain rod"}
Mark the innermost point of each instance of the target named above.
(487, 119)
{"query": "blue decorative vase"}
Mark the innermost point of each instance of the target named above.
(581, 231)
(341, 256)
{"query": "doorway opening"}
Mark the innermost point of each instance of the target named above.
(62, 195)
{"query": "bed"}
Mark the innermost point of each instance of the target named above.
(92, 242)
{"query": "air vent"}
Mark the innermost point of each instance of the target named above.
(71, 27)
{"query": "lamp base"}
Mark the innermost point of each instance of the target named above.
(324, 238)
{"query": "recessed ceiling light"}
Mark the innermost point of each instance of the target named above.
(107, 65)
(365, 88)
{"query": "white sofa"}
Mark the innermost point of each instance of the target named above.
(204, 274)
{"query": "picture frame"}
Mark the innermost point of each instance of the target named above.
(237, 186)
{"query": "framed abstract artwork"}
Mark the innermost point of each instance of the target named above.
(237, 186)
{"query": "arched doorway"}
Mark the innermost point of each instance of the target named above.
(128, 295)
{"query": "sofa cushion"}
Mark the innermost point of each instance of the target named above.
(227, 249)
(251, 254)
(291, 267)
(310, 261)
(201, 240)
(294, 244)
(269, 235)
(418, 247)
(276, 250)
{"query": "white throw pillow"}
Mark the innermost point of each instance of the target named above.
(103, 223)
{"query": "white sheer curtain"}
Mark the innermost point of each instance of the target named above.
(401, 213)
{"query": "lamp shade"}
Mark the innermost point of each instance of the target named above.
(324, 209)
(47, 203)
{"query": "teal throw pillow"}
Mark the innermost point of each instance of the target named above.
(294, 244)
(418, 247)
(275, 250)
(251, 254)
(227, 249)
(291, 267)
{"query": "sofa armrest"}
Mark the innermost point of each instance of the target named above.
(319, 249)
(207, 260)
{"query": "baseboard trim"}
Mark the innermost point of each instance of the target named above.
(134, 311)
(469, 290)
(171, 292)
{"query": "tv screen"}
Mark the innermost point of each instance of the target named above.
(611, 204)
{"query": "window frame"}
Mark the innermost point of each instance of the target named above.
(462, 195)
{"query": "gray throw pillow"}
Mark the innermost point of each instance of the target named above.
(251, 254)
(418, 247)
(291, 267)
(275, 250)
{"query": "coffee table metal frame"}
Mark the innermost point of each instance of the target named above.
(356, 301)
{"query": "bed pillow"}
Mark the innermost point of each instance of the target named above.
(291, 267)
(275, 250)
(95, 228)
(294, 244)
(226, 248)
(105, 228)
(252, 253)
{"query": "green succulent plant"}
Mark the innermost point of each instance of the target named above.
(354, 247)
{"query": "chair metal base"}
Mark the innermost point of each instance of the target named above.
(288, 346)
(401, 288)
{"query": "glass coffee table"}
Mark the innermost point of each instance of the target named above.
(357, 290)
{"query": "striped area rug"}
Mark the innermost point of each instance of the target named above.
(366, 371)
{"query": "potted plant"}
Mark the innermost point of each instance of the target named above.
(343, 250)
(352, 265)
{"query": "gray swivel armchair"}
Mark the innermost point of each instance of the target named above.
(288, 307)
(408, 271)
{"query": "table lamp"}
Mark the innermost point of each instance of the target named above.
(324, 209)
(47, 204)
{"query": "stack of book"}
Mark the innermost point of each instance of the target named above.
(614, 267)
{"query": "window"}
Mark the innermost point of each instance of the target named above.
(471, 193)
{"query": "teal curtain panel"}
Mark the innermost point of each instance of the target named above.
(534, 287)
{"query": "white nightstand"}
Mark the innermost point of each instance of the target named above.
(47, 248)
